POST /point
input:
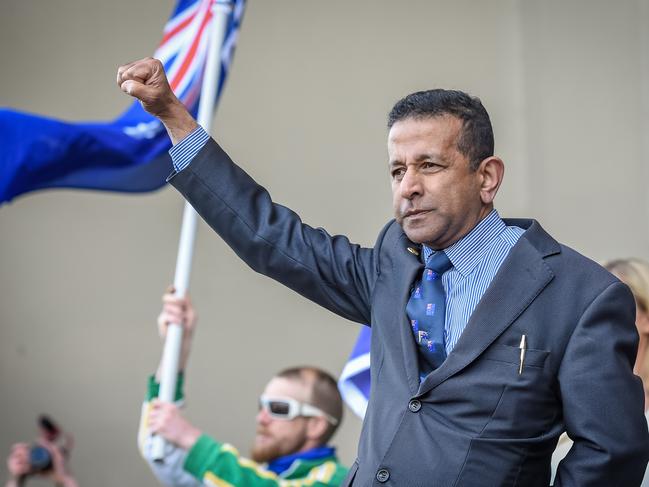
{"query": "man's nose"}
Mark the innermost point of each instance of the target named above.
(263, 417)
(410, 185)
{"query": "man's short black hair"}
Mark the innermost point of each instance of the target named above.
(476, 142)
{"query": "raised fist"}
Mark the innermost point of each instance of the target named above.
(146, 80)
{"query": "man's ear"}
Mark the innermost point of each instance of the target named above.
(316, 427)
(491, 171)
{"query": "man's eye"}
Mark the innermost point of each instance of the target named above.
(398, 173)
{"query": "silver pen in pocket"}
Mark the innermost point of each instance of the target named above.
(523, 348)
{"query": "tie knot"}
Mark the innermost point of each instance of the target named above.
(439, 262)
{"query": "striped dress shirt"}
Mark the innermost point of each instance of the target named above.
(184, 151)
(476, 258)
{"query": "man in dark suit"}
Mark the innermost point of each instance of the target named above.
(489, 337)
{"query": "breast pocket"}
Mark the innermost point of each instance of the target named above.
(528, 404)
(512, 356)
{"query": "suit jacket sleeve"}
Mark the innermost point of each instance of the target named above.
(272, 239)
(602, 399)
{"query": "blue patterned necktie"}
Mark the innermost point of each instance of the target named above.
(426, 309)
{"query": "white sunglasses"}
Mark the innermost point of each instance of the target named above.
(288, 408)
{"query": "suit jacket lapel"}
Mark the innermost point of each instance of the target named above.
(520, 279)
(410, 266)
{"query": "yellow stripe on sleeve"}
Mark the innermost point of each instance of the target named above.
(254, 466)
(143, 430)
(227, 448)
(213, 480)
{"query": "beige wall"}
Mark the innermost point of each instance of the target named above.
(304, 111)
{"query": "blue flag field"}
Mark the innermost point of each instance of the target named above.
(128, 154)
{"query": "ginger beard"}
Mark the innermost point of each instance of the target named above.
(269, 444)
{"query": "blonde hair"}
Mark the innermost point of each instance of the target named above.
(635, 274)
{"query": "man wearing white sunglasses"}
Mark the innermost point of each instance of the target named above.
(299, 411)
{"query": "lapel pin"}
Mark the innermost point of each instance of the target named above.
(414, 251)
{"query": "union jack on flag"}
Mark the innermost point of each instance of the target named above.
(130, 153)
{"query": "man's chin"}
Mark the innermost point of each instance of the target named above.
(417, 235)
(264, 451)
(424, 232)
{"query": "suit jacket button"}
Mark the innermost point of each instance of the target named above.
(414, 405)
(382, 475)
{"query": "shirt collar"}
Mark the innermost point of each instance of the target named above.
(467, 252)
(281, 464)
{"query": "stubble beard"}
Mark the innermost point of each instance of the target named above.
(265, 453)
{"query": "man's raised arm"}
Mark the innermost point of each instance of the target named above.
(270, 238)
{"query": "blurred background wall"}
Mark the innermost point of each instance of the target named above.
(304, 110)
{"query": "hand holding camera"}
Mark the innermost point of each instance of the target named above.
(46, 457)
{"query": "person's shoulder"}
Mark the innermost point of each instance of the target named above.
(332, 472)
(323, 472)
(564, 261)
(392, 228)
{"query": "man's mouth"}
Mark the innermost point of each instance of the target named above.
(414, 212)
(261, 438)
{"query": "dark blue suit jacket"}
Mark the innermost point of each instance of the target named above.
(475, 421)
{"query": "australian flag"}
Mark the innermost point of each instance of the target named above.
(354, 382)
(129, 153)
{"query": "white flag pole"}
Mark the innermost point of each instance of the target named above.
(171, 353)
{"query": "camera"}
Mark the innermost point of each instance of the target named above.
(40, 459)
